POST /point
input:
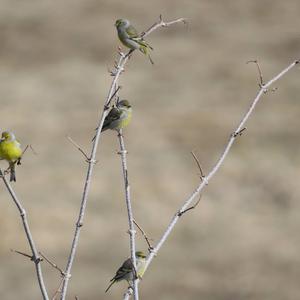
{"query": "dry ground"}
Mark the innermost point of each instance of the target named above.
(242, 242)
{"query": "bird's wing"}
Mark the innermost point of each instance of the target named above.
(114, 114)
(126, 268)
(132, 32)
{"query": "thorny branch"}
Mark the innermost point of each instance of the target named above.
(132, 232)
(219, 163)
(35, 257)
(116, 73)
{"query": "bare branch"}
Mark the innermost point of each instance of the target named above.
(22, 253)
(181, 212)
(132, 232)
(198, 164)
(162, 23)
(144, 235)
(35, 257)
(261, 81)
(24, 150)
(77, 147)
(219, 163)
(58, 290)
(55, 266)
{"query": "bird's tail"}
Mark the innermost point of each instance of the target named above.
(12, 171)
(144, 48)
(112, 282)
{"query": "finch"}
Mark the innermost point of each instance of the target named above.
(118, 117)
(10, 150)
(126, 271)
(130, 38)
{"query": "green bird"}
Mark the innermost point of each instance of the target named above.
(10, 150)
(130, 38)
(118, 117)
(126, 271)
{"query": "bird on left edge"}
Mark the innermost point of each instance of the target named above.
(10, 150)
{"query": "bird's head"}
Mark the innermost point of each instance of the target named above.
(140, 254)
(124, 104)
(7, 136)
(121, 23)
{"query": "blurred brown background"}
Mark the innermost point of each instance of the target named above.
(242, 242)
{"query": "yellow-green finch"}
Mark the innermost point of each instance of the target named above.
(118, 117)
(127, 272)
(130, 38)
(10, 150)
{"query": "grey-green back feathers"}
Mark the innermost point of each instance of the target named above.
(129, 37)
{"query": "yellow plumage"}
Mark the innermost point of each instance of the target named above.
(10, 150)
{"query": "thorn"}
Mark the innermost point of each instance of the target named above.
(240, 132)
(77, 146)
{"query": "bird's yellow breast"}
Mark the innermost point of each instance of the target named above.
(126, 120)
(10, 151)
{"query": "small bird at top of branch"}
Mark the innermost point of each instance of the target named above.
(127, 272)
(130, 38)
(10, 150)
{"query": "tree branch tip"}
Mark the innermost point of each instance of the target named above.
(23, 254)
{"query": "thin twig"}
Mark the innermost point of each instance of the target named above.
(77, 147)
(162, 23)
(35, 257)
(144, 235)
(22, 253)
(217, 166)
(33, 151)
(132, 231)
(58, 290)
(55, 266)
(198, 164)
(261, 80)
(181, 212)
(24, 150)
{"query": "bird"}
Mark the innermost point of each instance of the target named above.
(10, 150)
(118, 117)
(127, 272)
(130, 38)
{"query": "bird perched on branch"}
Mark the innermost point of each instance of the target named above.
(130, 38)
(10, 150)
(127, 272)
(118, 117)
